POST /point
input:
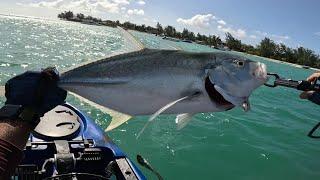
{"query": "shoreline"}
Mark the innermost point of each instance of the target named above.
(287, 63)
(268, 59)
(281, 62)
(98, 24)
(152, 30)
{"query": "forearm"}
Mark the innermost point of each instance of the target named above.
(28, 96)
(15, 132)
(13, 138)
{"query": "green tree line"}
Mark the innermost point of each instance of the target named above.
(266, 48)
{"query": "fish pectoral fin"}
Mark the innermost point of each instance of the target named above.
(118, 118)
(164, 108)
(183, 119)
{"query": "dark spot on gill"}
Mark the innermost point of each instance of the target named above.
(197, 93)
(214, 95)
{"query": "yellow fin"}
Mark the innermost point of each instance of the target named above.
(118, 118)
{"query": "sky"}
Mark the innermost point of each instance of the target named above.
(292, 22)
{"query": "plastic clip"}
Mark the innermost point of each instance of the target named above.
(311, 133)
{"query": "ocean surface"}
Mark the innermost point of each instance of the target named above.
(269, 142)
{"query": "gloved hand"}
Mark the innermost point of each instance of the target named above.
(312, 95)
(36, 90)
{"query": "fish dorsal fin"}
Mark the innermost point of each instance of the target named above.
(183, 119)
(2, 91)
(136, 45)
(130, 40)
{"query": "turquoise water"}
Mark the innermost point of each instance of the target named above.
(269, 142)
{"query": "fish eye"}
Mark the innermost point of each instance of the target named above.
(239, 63)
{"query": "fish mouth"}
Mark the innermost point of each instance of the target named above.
(215, 96)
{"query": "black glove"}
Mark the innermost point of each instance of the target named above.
(36, 90)
(315, 98)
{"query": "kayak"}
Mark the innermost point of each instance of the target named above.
(67, 144)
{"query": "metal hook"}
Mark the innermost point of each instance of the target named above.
(276, 77)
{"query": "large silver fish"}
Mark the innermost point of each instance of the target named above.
(149, 81)
(142, 82)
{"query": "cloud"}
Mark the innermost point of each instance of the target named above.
(52, 4)
(253, 36)
(111, 6)
(317, 33)
(260, 33)
(206, 20)
(126, 2)
(141, 2)
(199, 20)
(136, 12)
(222, 22)
(285, 37)
(148, 20)
(239, 33)
(276, 37)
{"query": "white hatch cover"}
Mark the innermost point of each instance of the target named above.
(60, 122)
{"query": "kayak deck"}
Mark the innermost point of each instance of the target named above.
(68, 144)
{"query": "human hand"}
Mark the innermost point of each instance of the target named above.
(36, 90)
(312, 95)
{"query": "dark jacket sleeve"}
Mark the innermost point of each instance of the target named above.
(10, 157)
